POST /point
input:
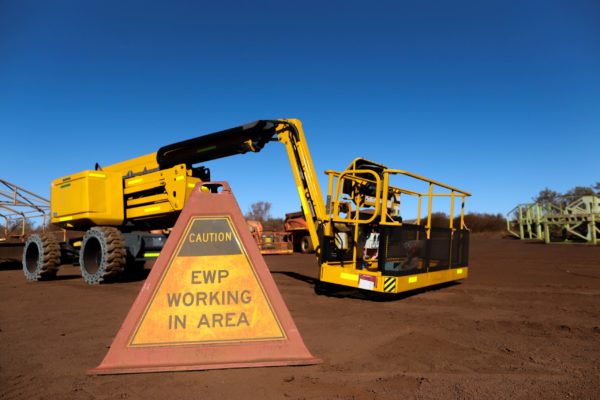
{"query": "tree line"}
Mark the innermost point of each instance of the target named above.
(476, 222)
(261, 212)
(549, 196)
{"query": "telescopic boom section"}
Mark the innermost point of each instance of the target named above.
(239, 140)
(252, 137)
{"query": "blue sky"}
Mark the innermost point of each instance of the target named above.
(500, 98)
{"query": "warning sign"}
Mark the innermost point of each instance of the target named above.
(209, 302)
(209, 293)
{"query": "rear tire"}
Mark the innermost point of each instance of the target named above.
(306, 245)
(41, 257)
(103, 255)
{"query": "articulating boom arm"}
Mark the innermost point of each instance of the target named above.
(239, 140)
(253, 137)
(290, 133)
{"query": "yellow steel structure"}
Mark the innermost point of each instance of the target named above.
(359, 234)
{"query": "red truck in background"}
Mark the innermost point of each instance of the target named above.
(295, 225)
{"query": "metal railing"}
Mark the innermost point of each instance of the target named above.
(574, 222)
(382, 203)
(20, 211)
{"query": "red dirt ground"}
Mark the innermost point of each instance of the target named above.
(526, 324)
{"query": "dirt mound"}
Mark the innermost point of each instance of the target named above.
(526, 324)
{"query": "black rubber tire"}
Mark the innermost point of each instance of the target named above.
(306, 245)
(41, 257)
(103, 255)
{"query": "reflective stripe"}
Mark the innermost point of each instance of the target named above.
(134, 181)
(349, 277)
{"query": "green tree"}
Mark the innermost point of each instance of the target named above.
(548, 196)
(577, 192)
(259, 211)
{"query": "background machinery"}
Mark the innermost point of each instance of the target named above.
(578, 221)
(574, 220)
(295, 225)
(525, 221)
(358, 233)
(270, 241)
(22, 211)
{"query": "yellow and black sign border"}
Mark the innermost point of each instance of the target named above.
(190, 223)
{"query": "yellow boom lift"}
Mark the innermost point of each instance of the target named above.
(359, 235)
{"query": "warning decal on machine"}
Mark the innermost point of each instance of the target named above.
(208, 293)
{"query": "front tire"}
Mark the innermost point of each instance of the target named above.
(103, 255)
(41, 257)
(306, 245)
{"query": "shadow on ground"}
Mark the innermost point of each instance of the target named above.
(10, 266)
(333, 290)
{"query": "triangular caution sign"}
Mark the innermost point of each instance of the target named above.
(209, 302)
(209, 293)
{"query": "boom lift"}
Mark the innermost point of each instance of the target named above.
(358, 233)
